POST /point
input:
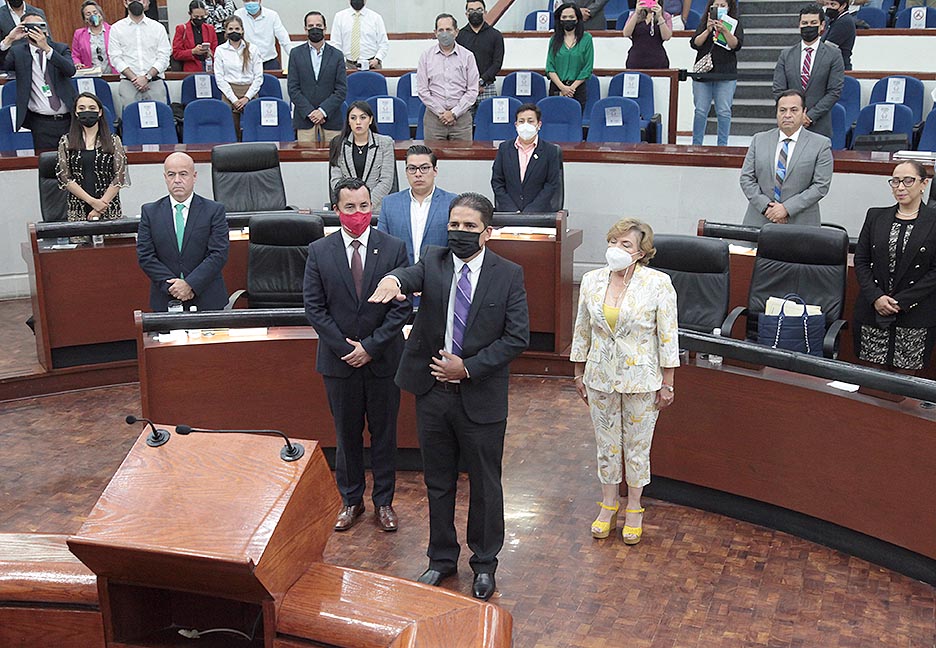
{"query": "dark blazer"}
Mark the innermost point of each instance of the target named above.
(204, 251)
(6, 19)
(308, 92)
(826, 78)
(841, 31)
(61, 70)
(395, 220)
(335, 312)
(497, 331)
(541, 184)
(184, 41)
(915, 276)
(596, 7)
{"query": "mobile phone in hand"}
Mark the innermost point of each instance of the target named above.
(713, 13)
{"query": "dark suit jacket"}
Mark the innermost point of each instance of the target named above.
(497, 331)
(541, 186)
(184, 41)
(61, 69)
(841, 31)
(395, 220)
(826, 78)
(336, 313)
(308, 92)
(915, 276)
(6, 19)
(204, 251)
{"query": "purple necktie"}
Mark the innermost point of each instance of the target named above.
(357, 267)
(462, 306)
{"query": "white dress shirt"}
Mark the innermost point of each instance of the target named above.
(139, 46)
(38, 101)
(229, 68)
(374, 41)
(802, 57)
(263, 31)
(475, 266)
(187, 203)
(316, 55)
(419, 215)
(794, 137)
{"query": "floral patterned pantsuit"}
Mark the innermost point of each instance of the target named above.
(623, 426)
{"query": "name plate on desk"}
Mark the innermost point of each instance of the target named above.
(525, 232)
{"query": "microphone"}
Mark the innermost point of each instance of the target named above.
(290, 452)
(156, 436)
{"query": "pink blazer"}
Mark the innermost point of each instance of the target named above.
(81, 48)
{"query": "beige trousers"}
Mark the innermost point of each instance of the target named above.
(433, 129)
(316, 135)
(623, 426)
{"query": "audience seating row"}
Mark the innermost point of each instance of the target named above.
(850, 120)
(882, 18)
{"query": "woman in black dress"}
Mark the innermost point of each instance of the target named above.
(648, 27)
(895, 263)
(92, 164)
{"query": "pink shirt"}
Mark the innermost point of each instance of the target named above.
(447, 81)
(524, 152)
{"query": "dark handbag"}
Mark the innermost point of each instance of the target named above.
(803, 334)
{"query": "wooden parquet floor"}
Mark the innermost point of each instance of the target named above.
(17, 342)
(697, 579)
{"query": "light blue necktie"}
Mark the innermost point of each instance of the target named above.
(781, 168)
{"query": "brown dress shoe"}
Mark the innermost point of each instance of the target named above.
(347, 516)
(387, 518)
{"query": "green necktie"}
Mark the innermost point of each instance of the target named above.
(179, 225)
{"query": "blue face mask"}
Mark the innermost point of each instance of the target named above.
(253, 8)
(722, 12)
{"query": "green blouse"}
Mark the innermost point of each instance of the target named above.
(572, 64)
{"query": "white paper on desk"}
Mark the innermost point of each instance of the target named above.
(247, 332)
(86, 85)
(148, 116)
(844, 386)
(385, 110)
(524, 84)
(269, 113)
(883, 117)
(501, 110)
(896, 87)
(151, 148)
(918, 18)
(631, 86)
(413, 86)
(203, 86)
(614, 116)
(542, 21)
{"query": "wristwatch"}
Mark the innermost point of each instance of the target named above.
(671, 389)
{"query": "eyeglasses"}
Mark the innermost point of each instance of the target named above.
(907, 181)
(423, 169)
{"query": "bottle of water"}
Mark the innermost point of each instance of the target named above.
(209, 65)
(715, 360)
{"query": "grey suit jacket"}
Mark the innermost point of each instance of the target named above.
(809, 174)
(378, 168)
(596, 7)
(6, 20)
(826, 78)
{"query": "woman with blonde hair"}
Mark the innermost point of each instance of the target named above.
(238, 71)
(625, 349)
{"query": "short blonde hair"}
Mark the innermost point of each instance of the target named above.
(625, 225)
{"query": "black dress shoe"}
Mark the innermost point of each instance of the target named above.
(434, 576)
(484, 586)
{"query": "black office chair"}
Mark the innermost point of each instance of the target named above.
(803, 259)
(276, 259)
(699, 268)
(559, 197)
(53, 202)
(246, 177)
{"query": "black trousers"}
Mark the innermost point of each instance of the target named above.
(580, 92)
(352, 400)
(47, 130)
(447, 435)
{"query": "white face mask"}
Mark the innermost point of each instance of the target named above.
(526, 131)
(618, 259)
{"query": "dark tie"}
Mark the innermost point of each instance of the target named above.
(807, 64)
(54, 102)
(357, 267)
(462, 306)
(781, 168)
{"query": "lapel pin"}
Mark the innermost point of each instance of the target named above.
(535, 156)
(375, 250)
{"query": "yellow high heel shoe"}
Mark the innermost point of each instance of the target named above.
(601, 529)
(631, 535)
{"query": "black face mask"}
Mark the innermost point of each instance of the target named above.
(16, 4)
(809, 34)
(475, 18)
(198, 22)
(568, 25)
(357, 5)
(316, 34)
(88, 118)
(135, 8)
(832, 14)
(463, 244)
(235, 37)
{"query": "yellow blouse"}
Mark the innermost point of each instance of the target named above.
(611, 315)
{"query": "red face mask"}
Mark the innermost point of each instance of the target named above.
(355, 223)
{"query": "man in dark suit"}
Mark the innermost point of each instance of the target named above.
(592, 12)
(12, 13)
(317, 84)
(44, 93)
(359, 349)
(814, 67)
(527, 173)
(182, 242)
(472, 322)
(418, 216)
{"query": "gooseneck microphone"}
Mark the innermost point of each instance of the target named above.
(156, 438)
(290, 452)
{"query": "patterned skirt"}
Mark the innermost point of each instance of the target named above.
(896, 347)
